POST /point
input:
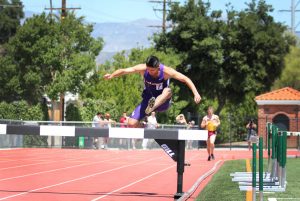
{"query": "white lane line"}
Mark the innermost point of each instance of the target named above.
(137, 181)
(33, 158)
(51, 161)
(77, 179)
(31, 164)
(58, 169)
(105, 195)
(42, 154)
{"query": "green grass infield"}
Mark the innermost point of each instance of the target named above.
(222, 188)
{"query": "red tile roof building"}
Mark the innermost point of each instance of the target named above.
(281, 107)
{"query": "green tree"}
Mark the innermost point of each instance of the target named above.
(227, 59)
(234, 118)
(11, 12)
(50, 56)
(9, 80)
(73, 113)
(20, 110)
(291, 73)
(121, 94)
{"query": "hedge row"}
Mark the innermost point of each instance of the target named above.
(21, 110)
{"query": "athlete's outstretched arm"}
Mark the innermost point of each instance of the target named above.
(123, 71)
(182, 78)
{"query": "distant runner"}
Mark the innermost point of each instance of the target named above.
(210, 122)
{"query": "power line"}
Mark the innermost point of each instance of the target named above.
(164, 11)
(63, 8)
(10, 6)
(293, 15)
(14, 6)
(100, 13)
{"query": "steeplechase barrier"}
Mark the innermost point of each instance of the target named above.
(172, 141)
(274, 179)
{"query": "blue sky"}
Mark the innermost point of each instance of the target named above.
(130, 10)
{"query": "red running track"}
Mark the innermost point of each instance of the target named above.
(68, 174)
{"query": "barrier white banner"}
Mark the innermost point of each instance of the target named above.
(137, 133)
(57, 130)
(2, 129)
(192, 134)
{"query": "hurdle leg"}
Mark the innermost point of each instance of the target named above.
(180, 168)
(284, 154)
(274, 153)
(279, 156)
(261, 182)
(269, 135)
(254, 171)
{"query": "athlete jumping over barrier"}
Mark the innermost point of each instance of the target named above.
(156, 94)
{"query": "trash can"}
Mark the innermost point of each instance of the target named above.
(81, 142)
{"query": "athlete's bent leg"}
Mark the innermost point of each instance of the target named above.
(162, 98)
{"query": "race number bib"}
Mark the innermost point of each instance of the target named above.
(159, 86)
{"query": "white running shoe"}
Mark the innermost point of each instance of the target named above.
(150, 105)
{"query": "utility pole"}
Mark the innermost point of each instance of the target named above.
(164, 10)
(63, 8)
(51, 11)
(61, 105)
(293, 15)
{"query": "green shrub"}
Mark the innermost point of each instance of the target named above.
(21, 110)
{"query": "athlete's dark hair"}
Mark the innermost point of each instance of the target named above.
(152, 61)
(210, 108)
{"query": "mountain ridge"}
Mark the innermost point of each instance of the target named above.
(119, 36)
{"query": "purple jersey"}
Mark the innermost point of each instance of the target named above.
(154, 86)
